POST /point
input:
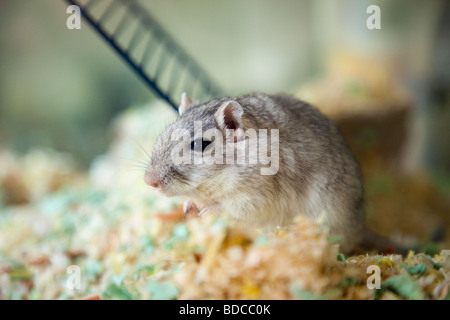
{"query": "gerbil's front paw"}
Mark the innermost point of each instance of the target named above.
(209, 210)
(190, 209)
(204, 211)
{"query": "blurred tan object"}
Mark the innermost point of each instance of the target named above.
(30, 177)
(12, 186)
(371, 108)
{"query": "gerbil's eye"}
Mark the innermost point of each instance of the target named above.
(199, 143)
(205, 144)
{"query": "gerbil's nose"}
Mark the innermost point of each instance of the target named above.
(151, 178)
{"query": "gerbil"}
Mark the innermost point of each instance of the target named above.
(316, 174)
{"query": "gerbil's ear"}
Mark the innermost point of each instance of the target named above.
(185, 104)
(228, 119)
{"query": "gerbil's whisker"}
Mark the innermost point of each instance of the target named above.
(128, 163)
(146, 153)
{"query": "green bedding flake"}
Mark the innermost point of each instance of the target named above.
(349, 282)
(147, 244)
(180, 231)
(147, 269)
(34, 294)
(435, 265)
(162, 290)
(21, 274)
(54, 204)
(93, 268)
(114, 291)
(19, 271)
(303, 294)
(432, 249)
(334, 239)
(118, 278)
(169, 244)
(96, 197)
(420, 269)
(404, 286)
(340, 257)
(262, 240)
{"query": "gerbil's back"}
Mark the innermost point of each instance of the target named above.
(315, 162)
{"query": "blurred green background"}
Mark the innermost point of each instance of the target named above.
(61, 88)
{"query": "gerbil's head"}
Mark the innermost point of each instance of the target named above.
(189, 157)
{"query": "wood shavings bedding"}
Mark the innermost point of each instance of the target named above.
(137, 246)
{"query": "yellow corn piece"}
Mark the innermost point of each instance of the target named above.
(386, 262)
(249, 290)
(210, 255)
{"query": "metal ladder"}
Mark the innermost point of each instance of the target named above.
(148, 49)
